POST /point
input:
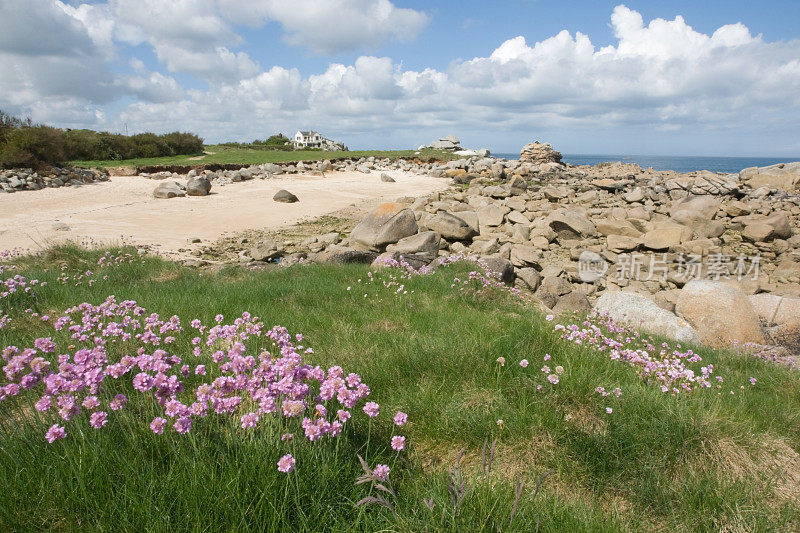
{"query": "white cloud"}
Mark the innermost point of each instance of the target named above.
(335, 26)
(661, 76)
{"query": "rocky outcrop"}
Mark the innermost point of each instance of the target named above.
(785, 176)
(538, 153)
(449, 142)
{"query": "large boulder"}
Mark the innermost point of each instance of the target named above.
(451, 227)
(386, 225)
(636, 311)
(538, 153)
(719, 313)
(169, 189)
(198, 186)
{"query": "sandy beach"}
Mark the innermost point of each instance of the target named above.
(124, 208)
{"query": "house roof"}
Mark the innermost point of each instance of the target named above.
(307, 133)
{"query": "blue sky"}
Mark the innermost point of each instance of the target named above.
(672, 78)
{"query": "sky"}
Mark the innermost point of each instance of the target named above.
(715, 78)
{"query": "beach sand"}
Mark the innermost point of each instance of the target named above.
(124, 210)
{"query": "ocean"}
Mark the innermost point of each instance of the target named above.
(728, 165)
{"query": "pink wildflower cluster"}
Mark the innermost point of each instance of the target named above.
(669, 368)
(249, 386)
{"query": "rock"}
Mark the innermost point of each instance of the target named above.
(491, 215)
(285, 197)
(636, 311)
(501, 267)
(758, 232)
(264, 251)
(573, 302)
(662, 238)
(525, 255)
(538, 153)
(530, 277)
(169, 189)
(737, 208)
(782, 318)
(554, 194)
(719, 313)
(621, 243)
(347, 256)
(364, 169)
(636, 195)
(426, 242)
(704, 206)
(451, 227)
(198, 186)
(617, 227)
(386, 225)
(784, 176)
(387, 178)
(569, 226)
(780, 223)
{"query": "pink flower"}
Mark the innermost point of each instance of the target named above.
(552, 378)
(286, 463)
(249, 420)
(372, 409)
(398, 443)
(381, 471)
(43, 404)
(91, 402)
(157, 425)
(524, 363)
(54, 433)
(183, 425)
(98, 419)
(400, 418)
(609, 410)
(752, 381)
(118, 402)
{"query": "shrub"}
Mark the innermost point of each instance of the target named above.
(183, 143)
(24, 144)
(32, 146)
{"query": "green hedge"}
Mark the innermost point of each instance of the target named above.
(23, 144)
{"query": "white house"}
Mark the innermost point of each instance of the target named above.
(308, 139)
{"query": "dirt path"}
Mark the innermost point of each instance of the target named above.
(124, 208)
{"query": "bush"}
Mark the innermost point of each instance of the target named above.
(183, 143)
(32, 146)
(24, 144)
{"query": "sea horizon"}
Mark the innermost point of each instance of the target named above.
(678, 163)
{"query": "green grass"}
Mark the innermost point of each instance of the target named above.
(247, 156)
(704, 461)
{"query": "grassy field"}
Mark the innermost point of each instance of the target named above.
(247, 156)
(718, 458)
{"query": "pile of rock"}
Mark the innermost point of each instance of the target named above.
(664, 245)
(26, 179)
